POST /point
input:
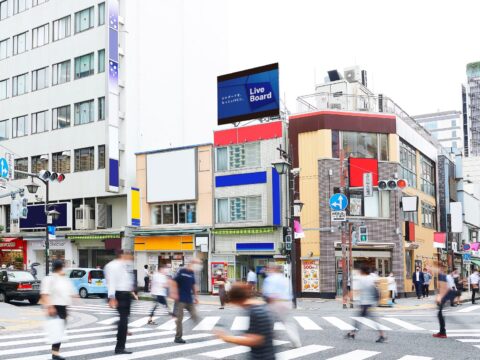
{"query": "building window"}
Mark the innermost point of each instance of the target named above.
(84, 112)
(3, 89)
(239, 209)
(61, 162)
(19, 85)
(179, 213)
(61, 28)
(101, 108)
(4, 49)
(101, 156)
(39, 163)
(101, 14)
(3, 9)
(238, 156)
(335, 144)
(408, 161)
(84, 20)
(222, 158)
(376, 206)
(454, 144)
(61, 73)
(187, 213)
(454, 123)
(364, 145)
(84, 66)
(473, 235)
(61, 117)
(429, 216)
(38, 2)
(21, 165)
(408, 264)
(427, 175)
(20, 43)
(19, 6)
(40, 36)
(39, 79)
(84, 159)
(19, 126)
(39, 122)
(101, 61)
(4, 130)
(411, 216)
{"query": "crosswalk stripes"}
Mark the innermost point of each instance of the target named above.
(342, 325)
(232, 351)
(414, 357)
(306, 323)
(207, 323)
(302, 351)
(240, 323)
(141, 322)
(403, 324)
(355, 355)
(109, 321)
(171, 324)
(469, 309)
(372, 324)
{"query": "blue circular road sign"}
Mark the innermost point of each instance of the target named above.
(3, 167)
(338, 202)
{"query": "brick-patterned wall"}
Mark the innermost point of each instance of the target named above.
(379, 230)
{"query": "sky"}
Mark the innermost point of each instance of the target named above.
(415, 52)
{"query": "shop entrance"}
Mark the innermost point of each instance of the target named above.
(92, 258)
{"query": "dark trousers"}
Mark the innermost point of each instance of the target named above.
(62, 314)
(160, 300)
(425, 289)
(222, 295)
(124, 299)
(147, 283)
(441, 320)
(418, 288)
(474, 294)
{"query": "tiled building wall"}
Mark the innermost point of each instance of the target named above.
(379, 230)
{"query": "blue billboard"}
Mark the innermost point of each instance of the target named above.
(249, 94)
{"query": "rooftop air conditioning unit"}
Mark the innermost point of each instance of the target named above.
(353, 74)
(84, 218)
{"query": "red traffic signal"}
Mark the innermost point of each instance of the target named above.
(392, 184)
(49, 176)
(402, 184)
(60, 177)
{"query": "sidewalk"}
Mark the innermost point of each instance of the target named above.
(19, 318)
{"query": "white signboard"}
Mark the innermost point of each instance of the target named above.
(11, 165)
(53, 244)
(456, 215)
(367, 184)
(153, 259)
(339, 215)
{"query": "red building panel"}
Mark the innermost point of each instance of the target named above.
(240, 135)
(360, 166)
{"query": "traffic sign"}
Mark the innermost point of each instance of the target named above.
(11, 166)
(339, 215)
(338, 202)
(3, 168)
(367, 184)
(467, 257)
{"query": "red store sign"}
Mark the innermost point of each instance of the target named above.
(11, 244)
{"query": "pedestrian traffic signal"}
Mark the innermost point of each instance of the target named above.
(23, 212)
(362, 230)
(392, 184)
(49, 176)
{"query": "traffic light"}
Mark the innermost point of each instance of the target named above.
(49, 176)
(392, 184)
(362, 230)
(288, 242)
(23, 212)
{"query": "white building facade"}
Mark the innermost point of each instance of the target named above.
(446, 127)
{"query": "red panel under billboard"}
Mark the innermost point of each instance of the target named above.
(358, 167)
(267, 131)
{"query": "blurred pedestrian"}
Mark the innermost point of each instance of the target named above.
(452, 280)
(146, 279)
(276, 291)
(418, 281)
(446, 291)
(392, 287)
(185, 294)
(120, 284)
(220, 281)
(368, 297)
(259, 336)
(56, 295)
(252, 280)
(474, 280)
(159, 291)
(427, 277)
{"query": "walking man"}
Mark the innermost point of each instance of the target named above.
(426, 282)
(185, 295)
(418, 281)
(159, 291)
(445, 293)
(252, 280)
(474, 279)
(146, 279)
(120, 284)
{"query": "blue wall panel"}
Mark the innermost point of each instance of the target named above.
(255, 246)
(241, 179)
(276, 198)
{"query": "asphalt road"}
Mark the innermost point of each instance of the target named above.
(322, 328)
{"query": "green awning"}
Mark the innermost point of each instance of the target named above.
(94, 237)
(475, 261)
(244, 231)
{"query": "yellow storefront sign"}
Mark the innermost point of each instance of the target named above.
(164, 243)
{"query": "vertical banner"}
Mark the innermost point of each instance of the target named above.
(135, 206)
(113, 173)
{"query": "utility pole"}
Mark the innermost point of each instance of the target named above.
(350, 261)
(344, 240)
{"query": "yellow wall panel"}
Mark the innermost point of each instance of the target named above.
(164, 243)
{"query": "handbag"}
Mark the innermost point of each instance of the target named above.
(475, 286)
(55, 330)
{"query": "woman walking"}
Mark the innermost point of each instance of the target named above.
(56, 295)
(220, 280)
(159, 291)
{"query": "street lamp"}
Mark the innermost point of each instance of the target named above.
(282, 166)
(32, 187)
(53, 214)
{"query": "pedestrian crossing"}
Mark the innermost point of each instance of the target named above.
(98, 342)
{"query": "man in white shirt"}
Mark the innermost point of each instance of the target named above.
(474, 279)
(252, 280)
(120, 285)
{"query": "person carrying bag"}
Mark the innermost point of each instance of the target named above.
(56, 295)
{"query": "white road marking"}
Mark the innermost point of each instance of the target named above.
(208, 323)
(306, 323)
(415, 357)
(302, 351)
(468, 309)
(170, 324)
(403, 324)
(355, 355)
(370, 323)
(279, 326)
(140, 322)
(109, 321)
(240, 323)
(342, 325)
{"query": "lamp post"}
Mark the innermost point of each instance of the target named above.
(284, 167)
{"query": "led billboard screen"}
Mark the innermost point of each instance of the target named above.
(248, 94)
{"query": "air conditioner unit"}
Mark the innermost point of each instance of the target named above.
(104, 215)
(353, 74)
(84, 218)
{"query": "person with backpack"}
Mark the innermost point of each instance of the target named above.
(368, 297)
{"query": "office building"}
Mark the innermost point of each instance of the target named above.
(446, 127)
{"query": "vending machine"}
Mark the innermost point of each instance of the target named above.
(215, 266)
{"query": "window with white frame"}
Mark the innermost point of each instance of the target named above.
(408, 161)
(21, 165)
(39, 163)
(3, 9)
(101, 60)
(376, 206)
(363, 145)
(61, 117)
(427, 175)
(4, 134)
(85, 159)
(176, 213)
(101, 108)
(19, 6)
(61, 72)
(61, 162)
(3, 89)
(83, 112)
(19, 126)
(4, 49)
(40, 36)
(238, 156)
(84, 66)
(101, 14)
(84, 20)
(429, 216)
(20, 43)
(62, 28)
(38, 2)
(411, 216)
(101, 156)
(19, 84)
(235, 209)
(39, 122)
(40, 79)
